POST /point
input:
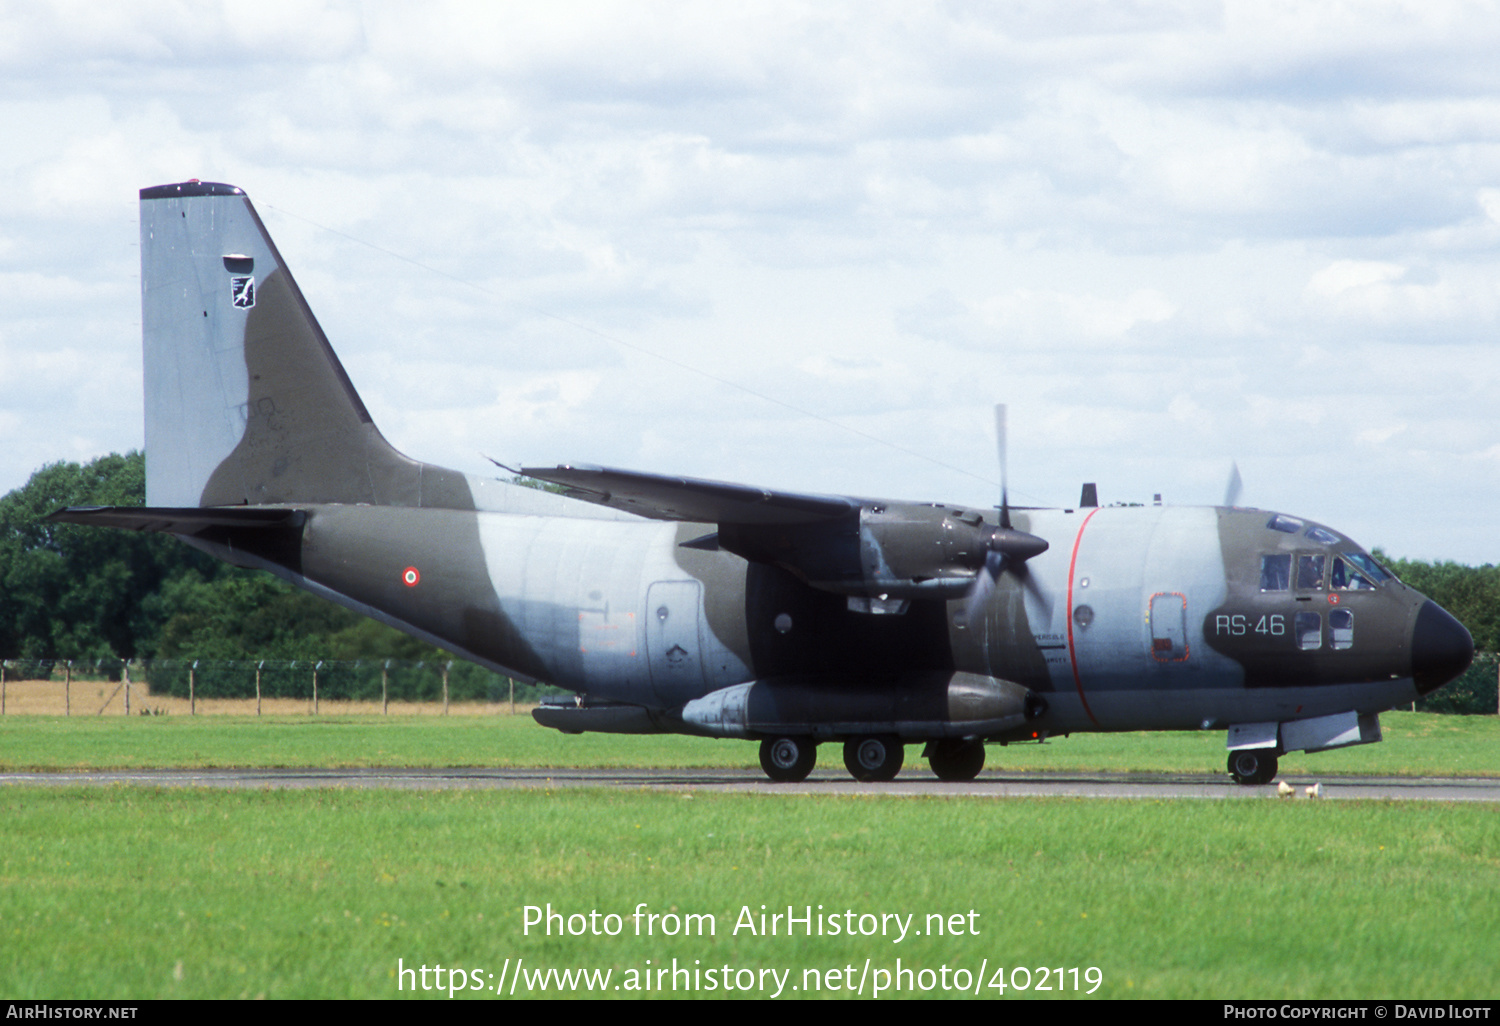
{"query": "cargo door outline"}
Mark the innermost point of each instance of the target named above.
(1168, 623)
(673, 647)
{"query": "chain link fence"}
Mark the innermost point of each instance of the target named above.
(1475, 692)
(365, 681)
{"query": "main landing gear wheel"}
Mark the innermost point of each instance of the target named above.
(874, 758)
(956, 760)
(1250, 766)
(787, 760)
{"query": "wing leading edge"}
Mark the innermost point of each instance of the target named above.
(662, 497)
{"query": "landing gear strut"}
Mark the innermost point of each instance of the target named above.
(788, 760)
(1250, 766)
(955, 759)
(874, 758)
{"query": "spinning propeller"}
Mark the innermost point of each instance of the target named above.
(1007, 549)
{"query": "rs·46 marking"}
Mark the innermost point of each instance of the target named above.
(1238, 624)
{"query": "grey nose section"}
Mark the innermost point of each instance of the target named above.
(1441, 648)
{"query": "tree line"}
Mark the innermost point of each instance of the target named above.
(71, 592)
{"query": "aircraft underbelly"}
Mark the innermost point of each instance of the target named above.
(1219, 708)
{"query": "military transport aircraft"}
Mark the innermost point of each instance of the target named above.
(676, 605)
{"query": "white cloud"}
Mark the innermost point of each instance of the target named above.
(1489, 200)
(1168, 234)
(1343, 276)
(1028, 320)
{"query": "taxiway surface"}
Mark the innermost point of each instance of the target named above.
(918, 782)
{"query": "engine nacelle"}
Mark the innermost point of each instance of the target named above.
(886, 551)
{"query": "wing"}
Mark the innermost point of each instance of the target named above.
(661, 497)
(877, 552)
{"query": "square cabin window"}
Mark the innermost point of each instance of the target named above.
(1341, 628)
(1309, 630)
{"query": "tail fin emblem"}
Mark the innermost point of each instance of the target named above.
(242, 291)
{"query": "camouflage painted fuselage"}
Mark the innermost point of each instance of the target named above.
(1157, 617)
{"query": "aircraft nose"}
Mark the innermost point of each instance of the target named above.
(1441, 648)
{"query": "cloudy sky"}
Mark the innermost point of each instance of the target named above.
(808, 246)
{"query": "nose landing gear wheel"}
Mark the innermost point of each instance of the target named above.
(874, 758)
(956, 760)
(787, 760)
(1251, 766)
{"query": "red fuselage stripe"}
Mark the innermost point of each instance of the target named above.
(1073, 652)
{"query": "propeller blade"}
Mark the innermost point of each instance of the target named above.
(995, 564)
(1000, 444)
(1233, 488)
(1006, 549)
(984, 584)
(1030, 583)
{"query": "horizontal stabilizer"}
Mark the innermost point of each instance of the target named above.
(661, 497)
(173, 520)
(246, 536)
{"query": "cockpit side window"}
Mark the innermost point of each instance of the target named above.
(1371, 569)
(1310, 572)
(1276, 571)
(1346, 578)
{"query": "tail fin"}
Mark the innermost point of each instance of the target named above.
(246, 403)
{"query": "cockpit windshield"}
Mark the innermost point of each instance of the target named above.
(1347, 578)
(1347, 571)
(1371, 569)
(1313, 570)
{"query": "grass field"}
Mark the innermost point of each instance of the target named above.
(129, 892)
(146, 893)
